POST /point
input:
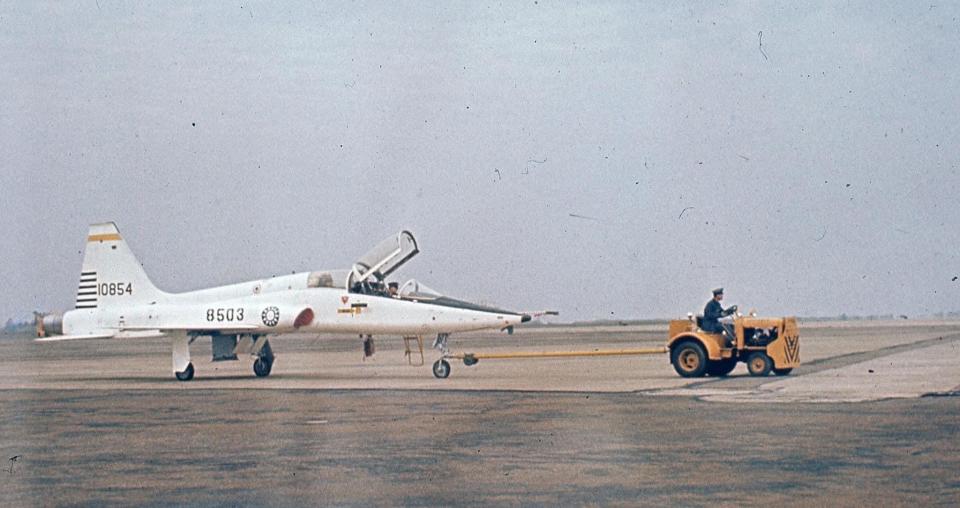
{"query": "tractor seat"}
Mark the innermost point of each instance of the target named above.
(700, 321)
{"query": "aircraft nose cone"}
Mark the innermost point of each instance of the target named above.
(524, 318)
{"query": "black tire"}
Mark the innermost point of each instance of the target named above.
(186, 374)
(689, 359)
(759, 364)
(720, 368)
(782, 372)
(262, 367)
(441, 369)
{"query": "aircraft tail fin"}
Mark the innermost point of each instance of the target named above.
(111, 274)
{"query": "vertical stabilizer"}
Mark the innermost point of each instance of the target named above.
(111, 275)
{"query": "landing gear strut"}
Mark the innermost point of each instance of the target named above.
(182, 367)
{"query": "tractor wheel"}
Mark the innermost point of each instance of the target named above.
(689, 359)
(720, 368)
(782, 372)
(759, 364)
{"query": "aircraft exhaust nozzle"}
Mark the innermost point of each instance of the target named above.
(48, 324)
(304, 318)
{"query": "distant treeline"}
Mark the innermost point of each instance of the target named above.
(885, 317)
(842, 317)
(17, 327)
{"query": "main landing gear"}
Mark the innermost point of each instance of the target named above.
(182, 367)
(264, 361)
(226, 349)
(186, 374)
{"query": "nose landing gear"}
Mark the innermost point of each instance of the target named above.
(441, 368)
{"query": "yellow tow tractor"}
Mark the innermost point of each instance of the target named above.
(764, 344)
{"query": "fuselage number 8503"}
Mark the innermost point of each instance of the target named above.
(225, 314)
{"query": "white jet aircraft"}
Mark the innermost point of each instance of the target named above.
(115, 299)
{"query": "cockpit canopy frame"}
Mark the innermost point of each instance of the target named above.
(385, 258)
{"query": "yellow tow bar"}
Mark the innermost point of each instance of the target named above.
(473, 358)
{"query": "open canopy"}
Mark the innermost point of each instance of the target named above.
(383, 259)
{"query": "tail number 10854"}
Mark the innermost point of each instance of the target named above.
(115, 289)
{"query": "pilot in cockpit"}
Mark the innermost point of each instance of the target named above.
(369, 287)
(393, 290)
(378, 288)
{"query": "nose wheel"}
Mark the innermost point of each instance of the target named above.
(441, 369)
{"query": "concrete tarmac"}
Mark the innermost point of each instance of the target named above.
(870, 417)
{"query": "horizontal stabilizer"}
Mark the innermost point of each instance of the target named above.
(152, 333)
(58, 338)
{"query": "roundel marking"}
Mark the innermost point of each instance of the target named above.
(270, 316)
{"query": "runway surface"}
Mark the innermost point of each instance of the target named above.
(870, 417)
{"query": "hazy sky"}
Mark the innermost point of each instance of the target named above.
(609, 160)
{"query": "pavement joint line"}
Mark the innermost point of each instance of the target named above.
(822, 364)
(897, 348)
(761, 391)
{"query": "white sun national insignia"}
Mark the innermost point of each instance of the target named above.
(270, 316)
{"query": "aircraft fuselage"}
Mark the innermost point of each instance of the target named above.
(309, 310)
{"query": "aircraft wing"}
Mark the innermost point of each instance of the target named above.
(196, 327)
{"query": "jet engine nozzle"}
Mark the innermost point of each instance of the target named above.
(48, 324)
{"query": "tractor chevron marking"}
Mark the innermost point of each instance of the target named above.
(793, 348)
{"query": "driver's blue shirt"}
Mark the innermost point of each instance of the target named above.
(711, 317)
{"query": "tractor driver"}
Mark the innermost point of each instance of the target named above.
(712, 314)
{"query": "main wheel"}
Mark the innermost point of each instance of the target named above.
(719, 368)
(689, 359)
(759, 364)
(782, 372)
(186, 374)
(441, 369)
(262, 367)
